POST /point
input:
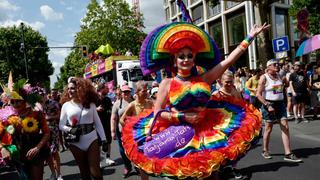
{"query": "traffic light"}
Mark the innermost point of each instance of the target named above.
(84, 51)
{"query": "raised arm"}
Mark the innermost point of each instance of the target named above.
(214, 73)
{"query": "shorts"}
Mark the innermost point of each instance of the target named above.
(315, 98)
(289, 94)
(300, 98)
(279, 114)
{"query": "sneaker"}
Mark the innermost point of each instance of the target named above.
(266, 155)
(110, 162)
(126, 173)
(59, 177)
(305, 120)
(292, 158)
(237, 175)
(52, 177)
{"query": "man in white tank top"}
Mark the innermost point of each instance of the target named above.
(270, 94)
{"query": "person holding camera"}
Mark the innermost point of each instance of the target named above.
(80, 122)
(270, 94)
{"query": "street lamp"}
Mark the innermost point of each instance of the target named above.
(23, 49)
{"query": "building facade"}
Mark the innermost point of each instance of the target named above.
(229, 22)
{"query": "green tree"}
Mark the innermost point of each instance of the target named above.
(73, 66)
(12, 59)
(111, 22)
(313, 7)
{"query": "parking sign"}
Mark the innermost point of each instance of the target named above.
(280, 44)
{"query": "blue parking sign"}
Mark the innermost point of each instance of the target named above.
(280, 44)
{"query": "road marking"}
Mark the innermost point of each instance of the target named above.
(308, 137)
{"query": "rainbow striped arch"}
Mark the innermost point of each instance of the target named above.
(166, 40)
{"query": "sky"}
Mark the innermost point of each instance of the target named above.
(59, 21)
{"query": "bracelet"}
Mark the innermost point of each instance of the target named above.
(179, 116)
(246, 42)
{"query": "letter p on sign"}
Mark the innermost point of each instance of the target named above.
(280, 44)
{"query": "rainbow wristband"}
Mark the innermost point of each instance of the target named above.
(179, 116)
(246, 42)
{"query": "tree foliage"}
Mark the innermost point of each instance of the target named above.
(313, 7)
(111, 22)
(12, 59)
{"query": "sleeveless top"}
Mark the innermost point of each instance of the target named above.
(273, 89)
(185, 96)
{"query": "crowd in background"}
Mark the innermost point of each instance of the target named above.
(110, 107)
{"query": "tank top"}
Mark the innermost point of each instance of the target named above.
(273, 89)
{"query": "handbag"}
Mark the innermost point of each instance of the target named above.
(72, 138)
(167, 141)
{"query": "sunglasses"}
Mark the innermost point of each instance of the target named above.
(188, 56)
(275, 64)
(71, 88)
(16, 103)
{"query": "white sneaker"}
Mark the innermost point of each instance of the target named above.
(52, 177)
(59, 177)
(110, 162)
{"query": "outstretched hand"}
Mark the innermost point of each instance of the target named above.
(256, 29)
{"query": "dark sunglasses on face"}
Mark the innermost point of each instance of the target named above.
(183, 56)
(276, 64)
(16, 103)
(71, 88)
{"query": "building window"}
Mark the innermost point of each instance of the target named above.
(185, 2)
(173, 8)
(193, 1)
(197, 14)
(212, 11)
(281, 22)
(167, 14)
(230, 4)
(215, 31)
(236, 32)
(236, 29)
(165, 2)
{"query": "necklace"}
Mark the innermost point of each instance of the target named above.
(183, 78)
(139, 106)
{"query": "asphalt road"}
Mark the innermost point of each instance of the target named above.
(305, 143)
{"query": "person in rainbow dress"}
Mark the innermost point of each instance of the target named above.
(189, 133)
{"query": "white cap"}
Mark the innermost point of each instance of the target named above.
(272, 61)
(154, 90)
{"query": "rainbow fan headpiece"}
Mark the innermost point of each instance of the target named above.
(160, 44)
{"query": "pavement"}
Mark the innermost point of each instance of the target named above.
(305, 143)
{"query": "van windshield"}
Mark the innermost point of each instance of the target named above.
(136, 75)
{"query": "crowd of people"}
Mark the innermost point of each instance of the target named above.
(197, 103)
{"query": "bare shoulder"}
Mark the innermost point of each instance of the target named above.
(165, 82)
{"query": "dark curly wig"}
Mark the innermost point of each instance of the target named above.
(86, 93)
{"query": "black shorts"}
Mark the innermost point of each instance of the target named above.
(300, 98)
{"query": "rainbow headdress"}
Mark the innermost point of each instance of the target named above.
(161, 43)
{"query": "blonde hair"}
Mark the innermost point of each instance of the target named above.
(140, 85)
(227, 73)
